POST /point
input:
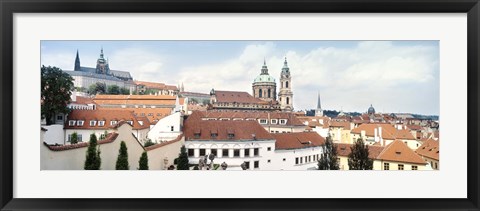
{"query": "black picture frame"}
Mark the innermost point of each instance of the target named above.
(10, 7)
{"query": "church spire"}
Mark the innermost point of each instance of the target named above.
(101, 53)
(77, 62)
(264, 68)
(319, 111)
(319, 105)
(285, 69)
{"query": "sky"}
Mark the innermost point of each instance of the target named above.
(393, 76)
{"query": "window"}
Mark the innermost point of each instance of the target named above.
(269, 93)
(171, 128)
(236, 153)
(140, 122)
(80, 122)
(93, 122)
(260, 92)
(79, 137)
(247, 165)
(113, 122)
(400, 166)
(202, 152)
(414, 167)
(256, 164)
(288, 100)
(225, 152)
(301, 160)
(231, 135)
(142, 114)
(101, 123)
(71, 123)
(247, 152)
(191, 152)
(386, 166)
(283, 121)
(214, 135)
(269, 149)
(436, 165)
(150, 114)
(296, 160)
(263, 121)
(286, 86)
(214, 151)
(59, 117)
(255, 152)
(274, 121)
(196, 135)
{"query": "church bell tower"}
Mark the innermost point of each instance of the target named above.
(285, 95)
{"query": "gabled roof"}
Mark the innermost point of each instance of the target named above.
(292, 120)
(430, 148)
(233, 96)
(104, 115)
(345, 149)
(297, 140)
(388, 131)
(197, 129)
(398, 151)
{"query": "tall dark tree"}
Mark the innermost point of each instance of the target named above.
(97, 88)
(113, 90)
(182, 160)
(122, 159)
(93, 160)
(358, 158)
(124, 91)
(143, 162)
(328, 158)
(56, 89)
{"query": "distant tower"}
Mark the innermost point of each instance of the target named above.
(264, 86)
(77, 63)
(182, 89)
(102, 64)
(371, 110)
(319, 111)
(285, 95)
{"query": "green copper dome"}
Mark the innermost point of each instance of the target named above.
(264, 78)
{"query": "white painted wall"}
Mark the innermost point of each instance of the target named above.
(291, 155)
(162, 131)
(54, 134)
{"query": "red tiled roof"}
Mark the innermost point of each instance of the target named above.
(399, 152)
(103, 115)
(345, 149)
(344, 125)
(297, 140)
(388, 131)
(83, 100)
(110, 138)
(153, 114)
(232, 96)
(414, 127)
(290, 117)
(134, 100)
(430, 148)
(242, 130)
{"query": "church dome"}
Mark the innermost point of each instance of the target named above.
(371, 110)
(264, 78)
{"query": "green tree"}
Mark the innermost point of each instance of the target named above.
(358, 158)
(124, 91)
(328, 158)
(74, 138)
(113, 90)
(122, 159)
(148, 143)
(143, 162)
(97, 88)
(56, 89)
(93, 160)
(182, 162)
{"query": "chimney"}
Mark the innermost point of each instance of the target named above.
(380, 135)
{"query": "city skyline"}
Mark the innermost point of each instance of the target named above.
(393, 76)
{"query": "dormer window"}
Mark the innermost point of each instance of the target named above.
(71, 122)
(140, 122)
(214, 135)
(283, 121)
(196, 133)
(231, 135)
(80, 122)
(263, 121)
(101, 123)
(93, 123)
(113, 122)
(130, 122)
(274, 121)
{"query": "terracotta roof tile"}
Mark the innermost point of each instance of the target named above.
(156, 146)
(297, 140)
(388, 131)
(292, 120)
(153, 114)
(232, 96)
(110, 138)
(244, 130)
(399, 152)
(345, 149)
(430, 148)
(103, 115)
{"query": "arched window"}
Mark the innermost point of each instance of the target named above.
(281, 85)
(260, 93)
(268, 93)
(286, 84)
(288, 100)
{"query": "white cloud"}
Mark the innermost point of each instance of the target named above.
(143, 64)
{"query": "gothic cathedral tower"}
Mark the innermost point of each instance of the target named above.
(286, 95)
(77, 63)
(319, 111)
